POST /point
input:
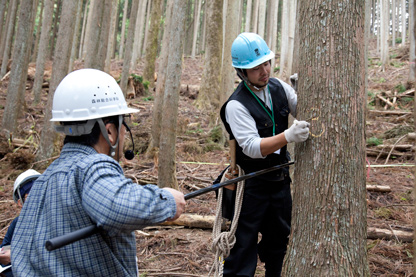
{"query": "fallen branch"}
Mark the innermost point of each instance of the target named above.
(389, 112)
(194, 221)
(387, 101)
(375, 152)
(376, 233)
(378, 188)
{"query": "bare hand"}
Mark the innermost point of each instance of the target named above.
(5, 256)
(179, 200)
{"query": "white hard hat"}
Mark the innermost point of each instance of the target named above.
(87, 94)
(22, 179)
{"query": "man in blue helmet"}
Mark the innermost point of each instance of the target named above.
(256, 116)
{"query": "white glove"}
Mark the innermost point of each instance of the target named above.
(298, 132)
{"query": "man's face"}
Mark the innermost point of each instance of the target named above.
(259, 75)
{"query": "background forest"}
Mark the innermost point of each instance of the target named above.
(172, 56)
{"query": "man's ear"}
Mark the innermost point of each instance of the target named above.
(112, 132)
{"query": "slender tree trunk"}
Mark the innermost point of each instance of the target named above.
(43, 48)
(403, 22)
(328, 236)
(129, 46)
(247, 27)
(3, 5)
(111, 38)
(146, 26)
(255, 16)
(104, 34)
(412, 37)
(196, 26)
(209, 97)
(18, 71)
(262, 20)
(9, 37)
(160, 85)
(93, 36)
(38, 34)
(384, 33)
(138, 33)
(75, 40)
(123, 29)
(167, 163)
(151, 48)
(393, 22)
(59, 70)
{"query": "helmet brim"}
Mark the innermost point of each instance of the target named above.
(257, 62)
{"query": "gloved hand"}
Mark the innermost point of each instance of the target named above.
(298, 132)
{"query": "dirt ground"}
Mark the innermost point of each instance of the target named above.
(184, 251)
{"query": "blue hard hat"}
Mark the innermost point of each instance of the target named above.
(249, 50)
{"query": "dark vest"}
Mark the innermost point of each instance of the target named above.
(264, 126)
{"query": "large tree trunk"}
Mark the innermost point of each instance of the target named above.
(328, 236)
(59, 70)
(167, 163)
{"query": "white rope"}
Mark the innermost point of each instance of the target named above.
(223, 242)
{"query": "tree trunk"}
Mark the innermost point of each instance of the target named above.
(151, 48)
(262, 20)
(138, 33)
(59, 70)
(75, 40)
(129, 46)
(196, 26)
(412, 37)
(38, 33)
(209, 97)
(111, 37)
(328, 236)
(9, 36)
(18, 71)
(384, 33)
(92, 59)
(83, 31)
(255, 16)
(167, 163)
(403, 22)
(123, 30)
(247, 27)
(43, 48)
(160, 85)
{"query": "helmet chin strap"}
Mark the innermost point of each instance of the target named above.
(105, 134)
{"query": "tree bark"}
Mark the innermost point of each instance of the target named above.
(129, 46)
(43, 48)
(196, 26)
(7, 46)
(328, 236)
(152, 43)
(18, 71)
(167, 163)
(209, 97)
(59, 71)
(123, 29)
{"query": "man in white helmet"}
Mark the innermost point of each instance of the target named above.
(86, 186)
(256, 116)
(21, 188)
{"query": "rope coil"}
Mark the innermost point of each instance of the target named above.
(223, 242)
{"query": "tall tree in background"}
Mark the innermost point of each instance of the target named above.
(19, 67)
(412, 38)
(160, 85)
(123, 29)
(7, 43)
(167, 161)
(43, 48)
(209, 92)
(329, 230)
(384, 32)
(111, 38)
(59, 70)
(152, 42)
(198, 5)
(129, 46)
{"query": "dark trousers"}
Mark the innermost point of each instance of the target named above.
(266, 209)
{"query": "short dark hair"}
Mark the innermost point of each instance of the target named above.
(92, 138)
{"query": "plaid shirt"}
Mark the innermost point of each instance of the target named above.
(82, 188)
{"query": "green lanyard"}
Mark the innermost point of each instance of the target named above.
(261, 104)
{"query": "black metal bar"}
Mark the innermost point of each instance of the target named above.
(66, 239)
(235, 180)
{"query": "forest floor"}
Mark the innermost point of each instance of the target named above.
(186, 251)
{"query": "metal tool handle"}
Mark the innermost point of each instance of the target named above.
(66, 239)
